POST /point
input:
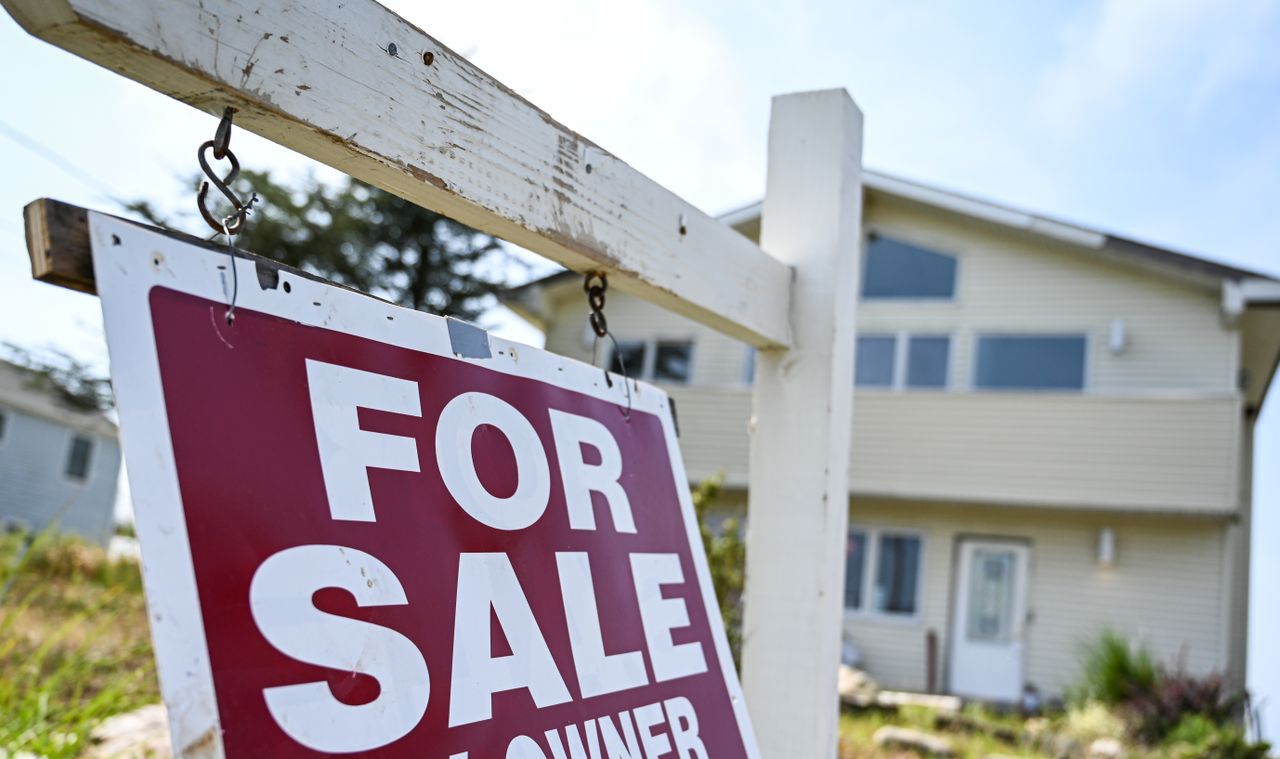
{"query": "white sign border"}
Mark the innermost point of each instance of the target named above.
(129, 260)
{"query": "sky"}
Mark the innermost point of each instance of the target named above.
(1155, 119)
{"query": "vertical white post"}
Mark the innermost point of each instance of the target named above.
(797, 513)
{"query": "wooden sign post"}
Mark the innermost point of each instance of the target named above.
(357, 87)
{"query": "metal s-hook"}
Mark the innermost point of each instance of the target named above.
(221, 147)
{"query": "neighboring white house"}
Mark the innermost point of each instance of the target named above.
(58, 463)
(1052, 436)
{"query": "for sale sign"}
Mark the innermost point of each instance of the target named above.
(370, 531)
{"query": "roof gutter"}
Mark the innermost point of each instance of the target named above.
(1239, 294)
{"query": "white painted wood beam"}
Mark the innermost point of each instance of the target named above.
(797, 509)
(355, 86)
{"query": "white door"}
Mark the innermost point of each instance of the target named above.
(988, 620)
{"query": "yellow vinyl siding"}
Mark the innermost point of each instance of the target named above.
(1016, 283)
(1163, 589)
(1007, 282)
(1157, 427)
(1049, 449)
(1032, 449)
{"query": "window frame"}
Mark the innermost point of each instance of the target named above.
(901, 351)
(871, 569)
(933, 244)
(1086, 384)
(88, 463)
(645, 374)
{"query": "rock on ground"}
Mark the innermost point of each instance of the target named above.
(919, 741)
(140, 734)
(856, 688)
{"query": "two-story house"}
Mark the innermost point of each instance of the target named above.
(1052, 436)
(59, 464)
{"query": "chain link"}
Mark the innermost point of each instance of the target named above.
(595, 284)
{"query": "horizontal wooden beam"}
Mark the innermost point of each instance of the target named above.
(58, 244)
(62, 254)
(355, 86)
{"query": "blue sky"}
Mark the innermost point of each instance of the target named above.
(1156, 119)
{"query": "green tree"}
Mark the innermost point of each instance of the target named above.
(71, 380)
(370, 240)
(726, 556)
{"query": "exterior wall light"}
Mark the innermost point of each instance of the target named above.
(1119, 338)
(1106, 547)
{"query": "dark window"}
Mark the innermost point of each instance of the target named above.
(875, 357)
(628, 358)
(854, 563)
(78, 458)
(1032, 362)
(673, 362)
(895, 269)
(897, 574)
(4, 424)
(927, 359)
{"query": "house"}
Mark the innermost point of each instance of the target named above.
(59, 463)
(1052, 436)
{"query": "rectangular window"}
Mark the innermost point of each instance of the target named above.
(78, 458)
(875, 360)
(991, 596)
(628, 358)
(903, 361)
(660, 361)
(883, 572)
(4, 425)
(897, 574)
(855, 561)
(927, 360)
(673, 362)
(1030, 362)
(896, 269)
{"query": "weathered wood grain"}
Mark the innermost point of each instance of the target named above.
(355, 86)
(58, 244)
(61, 249)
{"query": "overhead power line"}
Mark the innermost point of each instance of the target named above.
(38, 148)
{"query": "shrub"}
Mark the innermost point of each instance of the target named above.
(1193, 730)
(1158, 704)
(726, 556)
(1198, 737)
(1088, 722)
(1115, 671)
(1177, 698)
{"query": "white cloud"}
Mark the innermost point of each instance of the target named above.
(1179, 55)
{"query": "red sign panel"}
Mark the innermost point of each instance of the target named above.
(388, 550)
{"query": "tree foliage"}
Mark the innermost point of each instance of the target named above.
(62, 375)
(370, 240)
(726, 556)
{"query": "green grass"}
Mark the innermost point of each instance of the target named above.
(74, 644)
